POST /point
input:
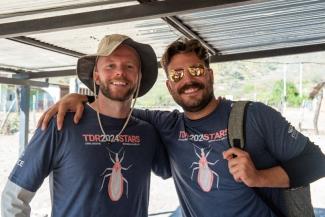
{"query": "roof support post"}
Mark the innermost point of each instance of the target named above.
(24, 93)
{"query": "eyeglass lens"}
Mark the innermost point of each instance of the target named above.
(178, 74)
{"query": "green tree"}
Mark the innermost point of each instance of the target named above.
(292, 96)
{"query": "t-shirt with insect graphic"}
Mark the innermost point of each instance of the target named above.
(94, 175)
(203, 182)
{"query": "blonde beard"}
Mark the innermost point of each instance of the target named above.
(128, 95)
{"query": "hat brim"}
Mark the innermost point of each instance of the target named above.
(149, 66)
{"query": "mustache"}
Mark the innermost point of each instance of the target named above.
(193, 84)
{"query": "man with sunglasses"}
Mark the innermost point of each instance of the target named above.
(209, 180)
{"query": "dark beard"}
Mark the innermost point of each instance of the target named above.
(198, 105)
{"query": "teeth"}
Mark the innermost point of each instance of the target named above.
(190, 90)
(119, 83)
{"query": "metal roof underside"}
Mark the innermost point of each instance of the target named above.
(43, 38)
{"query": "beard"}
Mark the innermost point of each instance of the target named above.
(116, 96)
(194, 104)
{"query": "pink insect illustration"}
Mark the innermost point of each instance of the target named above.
(205, 175)
(115, 183)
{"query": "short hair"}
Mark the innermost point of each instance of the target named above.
(184, 45)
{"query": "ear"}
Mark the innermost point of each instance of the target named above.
(96, 77)
(168, 85)
(211, 74)
(140, 76)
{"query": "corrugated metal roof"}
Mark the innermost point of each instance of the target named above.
(85, 40)
(15, 10)
(16, 55)
(238, 29)
(261, 26)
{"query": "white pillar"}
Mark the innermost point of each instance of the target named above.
(73, 85)
(300, 78)
(1, 108)
(285, 68)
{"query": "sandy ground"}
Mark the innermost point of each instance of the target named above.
(163, 199)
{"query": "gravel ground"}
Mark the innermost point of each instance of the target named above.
(163, 199)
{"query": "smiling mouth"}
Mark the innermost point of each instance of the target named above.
(191, 90)
(118, 83)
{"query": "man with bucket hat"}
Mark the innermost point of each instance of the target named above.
(102, 166)
(148, 61)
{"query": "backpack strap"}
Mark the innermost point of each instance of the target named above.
(237, 138)
(296, 202)
(236, 124)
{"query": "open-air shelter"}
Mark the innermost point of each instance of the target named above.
(43, 38)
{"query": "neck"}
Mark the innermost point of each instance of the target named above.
(212, 105)
(111, 108)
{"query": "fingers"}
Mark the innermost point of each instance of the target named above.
(46, 117)
(234, 151)
(241, 167)
(62, 110)
(40, 121)
(238, 170)
(78, 114)
(237, 176)
(238, 165)
(71, 102)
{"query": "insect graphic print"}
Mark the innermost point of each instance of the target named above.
(205, 175)
(115, 187)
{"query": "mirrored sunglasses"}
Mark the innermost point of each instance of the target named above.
(176, 75)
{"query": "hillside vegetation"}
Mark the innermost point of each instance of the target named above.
(259, 80)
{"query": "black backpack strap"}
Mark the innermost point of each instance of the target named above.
(236, 124)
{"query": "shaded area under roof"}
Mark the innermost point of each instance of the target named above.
(44, 38)
(231, 30)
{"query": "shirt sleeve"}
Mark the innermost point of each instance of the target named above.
(159, 119)
(37, 160)
(296, 154)
(282, 140)
(161, 164)
(147, 115)
(312, 160)
(15, 201)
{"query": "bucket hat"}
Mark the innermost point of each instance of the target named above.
(148, 58)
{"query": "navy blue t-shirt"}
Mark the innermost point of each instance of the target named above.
(94, 174)
(204, 184)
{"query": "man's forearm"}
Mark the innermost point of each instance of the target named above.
(275, 177)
